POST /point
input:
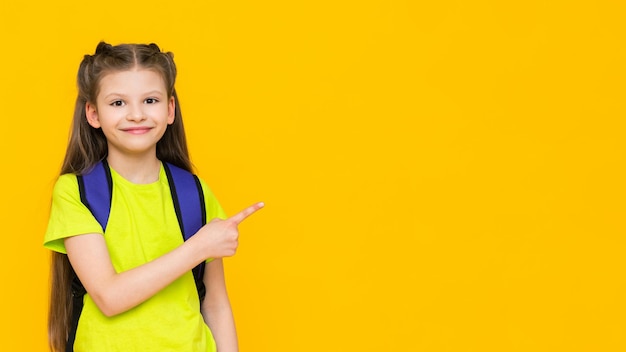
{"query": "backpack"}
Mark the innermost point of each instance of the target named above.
(96, 190)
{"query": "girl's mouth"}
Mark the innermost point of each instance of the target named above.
(137, 130)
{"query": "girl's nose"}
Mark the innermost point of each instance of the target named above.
(135, 114)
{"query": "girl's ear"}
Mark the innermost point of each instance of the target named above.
(92, 115)
(171, 111)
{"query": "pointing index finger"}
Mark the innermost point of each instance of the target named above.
(242, 215)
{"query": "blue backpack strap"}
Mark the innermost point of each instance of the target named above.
(190, 210)
(94, 195)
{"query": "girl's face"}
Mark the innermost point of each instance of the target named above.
(133, 110)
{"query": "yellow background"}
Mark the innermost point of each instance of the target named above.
(439, 175)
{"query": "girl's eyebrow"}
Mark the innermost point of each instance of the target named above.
(121, 95)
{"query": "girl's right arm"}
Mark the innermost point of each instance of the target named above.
(115, 293)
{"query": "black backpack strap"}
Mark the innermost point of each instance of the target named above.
(188, 199)
(78, 293)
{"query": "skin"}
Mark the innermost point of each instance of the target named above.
(133, 111)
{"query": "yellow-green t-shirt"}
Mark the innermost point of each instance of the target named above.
(142, 226)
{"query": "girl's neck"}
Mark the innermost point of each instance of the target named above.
(139, 169)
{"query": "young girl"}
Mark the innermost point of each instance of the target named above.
(140, 292)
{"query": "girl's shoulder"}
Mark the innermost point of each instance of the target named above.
(66, 183)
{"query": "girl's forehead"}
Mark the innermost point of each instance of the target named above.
(129, 81)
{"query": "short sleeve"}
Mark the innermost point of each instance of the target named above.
(68, 215)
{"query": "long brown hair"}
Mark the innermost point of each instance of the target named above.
(88, 145)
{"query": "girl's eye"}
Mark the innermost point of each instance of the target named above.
(151, 101)
(117, 103)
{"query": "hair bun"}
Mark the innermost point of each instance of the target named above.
(103, 48)
(154, 47)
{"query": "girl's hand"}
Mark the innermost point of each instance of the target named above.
(220, 238)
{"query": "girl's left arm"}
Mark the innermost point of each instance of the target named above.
(216, 308)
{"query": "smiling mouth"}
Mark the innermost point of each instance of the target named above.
(137, 130)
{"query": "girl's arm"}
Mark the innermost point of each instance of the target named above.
(216, 308)
(115, 293)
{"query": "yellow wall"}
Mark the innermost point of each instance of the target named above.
(439, 175)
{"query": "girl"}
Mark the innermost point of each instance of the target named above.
(140, 293)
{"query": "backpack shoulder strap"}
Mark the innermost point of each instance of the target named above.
(94, 194)
(188, 199)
